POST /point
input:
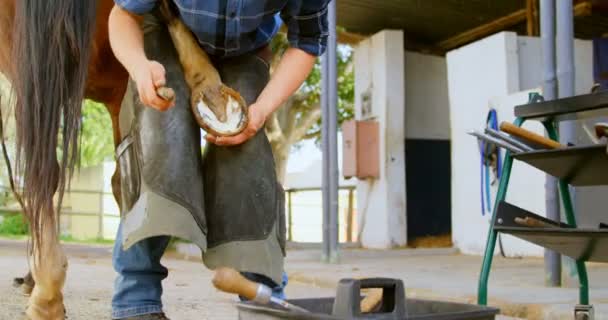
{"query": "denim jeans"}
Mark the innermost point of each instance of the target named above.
(138, 288)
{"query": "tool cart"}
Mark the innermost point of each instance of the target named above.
(573, 166)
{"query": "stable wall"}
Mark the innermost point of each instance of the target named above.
(407, 94)
(496, 71)
(379, 96)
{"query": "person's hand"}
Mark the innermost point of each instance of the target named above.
(149, 76)
(257, 117)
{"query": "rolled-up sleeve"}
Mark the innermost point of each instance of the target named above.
(306, 22)
(137, 6)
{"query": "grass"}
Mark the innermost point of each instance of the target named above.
(70, 239)
(63, 239)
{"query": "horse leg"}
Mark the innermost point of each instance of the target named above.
(26, 283)
(48, 267)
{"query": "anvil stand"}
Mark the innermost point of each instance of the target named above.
(576, 166)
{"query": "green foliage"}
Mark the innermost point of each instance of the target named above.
(96, 144)
(13, 225)
(311, 89)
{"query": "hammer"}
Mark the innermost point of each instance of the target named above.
(231, 281)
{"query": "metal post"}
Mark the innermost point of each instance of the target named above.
(289, 216)
(349, 215)
(547, 29)
(565, 76)
(325, 148)
(333, 132)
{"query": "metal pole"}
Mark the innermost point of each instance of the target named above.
(349, 216)
(101, 213)
(547, 20)
(290, 217)
(333, 132)
(565, 76)
(325, 152)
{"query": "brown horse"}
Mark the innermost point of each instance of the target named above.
(55, 54)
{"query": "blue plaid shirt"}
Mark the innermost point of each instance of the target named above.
(234, 27)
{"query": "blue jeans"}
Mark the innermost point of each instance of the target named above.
(138, 288)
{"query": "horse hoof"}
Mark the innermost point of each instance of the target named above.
(235, 114)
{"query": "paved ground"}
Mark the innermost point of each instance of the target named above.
(188, 290)
(516, 284)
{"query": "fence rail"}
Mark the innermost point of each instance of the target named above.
(101, 214)
(349, 215)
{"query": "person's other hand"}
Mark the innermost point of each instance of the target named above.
(257, 117)
(149, 76)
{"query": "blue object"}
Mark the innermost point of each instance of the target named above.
(491, 122)
(233, 27)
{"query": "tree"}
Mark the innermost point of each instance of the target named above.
(96, 144)
(299, 118)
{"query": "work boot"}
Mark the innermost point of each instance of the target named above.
(151, 316)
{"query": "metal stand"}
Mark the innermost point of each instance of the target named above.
(568, 171)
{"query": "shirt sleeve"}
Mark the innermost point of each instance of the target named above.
(306, 22)
(137, 6)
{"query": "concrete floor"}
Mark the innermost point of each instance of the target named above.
(188, 293)
(516, 285)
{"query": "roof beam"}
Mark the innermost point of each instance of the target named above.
(581, 9)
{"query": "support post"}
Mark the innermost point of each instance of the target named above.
(329, 101)
(333, 133)
(325, 153)
(349, 216)
(289, 216)
(100, 217)
(547, 20)
(565, 77)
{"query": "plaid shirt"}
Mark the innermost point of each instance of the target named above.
(234, 27)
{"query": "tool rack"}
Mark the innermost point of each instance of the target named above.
(576, 166)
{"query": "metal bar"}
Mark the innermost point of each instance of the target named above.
(482, 290)
(495, 141)
(100, 218)
(509, 139)
(333, 133)
(547, 29)
(565, 82)
(325, 148)
(349, 216)
(318, 189)
(571, 220)
(289, 216)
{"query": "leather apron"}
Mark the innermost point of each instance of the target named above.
(226, 200)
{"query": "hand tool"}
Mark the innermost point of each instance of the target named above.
(530, 136)
(511, 140)
(532, 222)
(231, 281)
(500, 143)
(166, 93)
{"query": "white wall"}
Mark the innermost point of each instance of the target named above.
(379, 61)
(427, 114)
(495, 71)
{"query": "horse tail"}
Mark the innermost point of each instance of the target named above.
(52, 45)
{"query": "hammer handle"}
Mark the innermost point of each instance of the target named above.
(230, 281)
(529, 136)
(165, 93)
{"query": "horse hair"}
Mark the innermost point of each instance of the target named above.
(52, 45)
